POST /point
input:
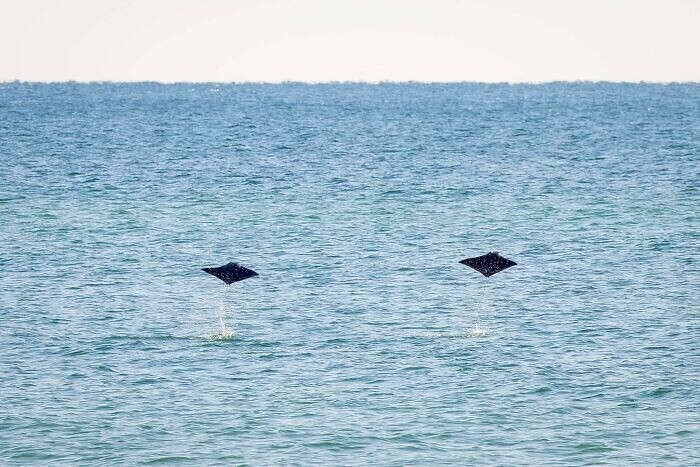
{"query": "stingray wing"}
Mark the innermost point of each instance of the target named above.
(231, 272)
(489, 264)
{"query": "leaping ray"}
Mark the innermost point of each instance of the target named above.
(231, 272)
(489, 264)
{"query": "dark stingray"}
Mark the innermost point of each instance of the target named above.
(231, 272)
(489, 264)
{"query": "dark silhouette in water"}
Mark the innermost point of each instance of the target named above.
(489, 264)
(231, 272)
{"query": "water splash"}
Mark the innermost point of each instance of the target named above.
(478, 330)
(452, 335)
(223, 309)
(223, 336)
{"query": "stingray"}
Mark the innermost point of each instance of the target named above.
(231, 272)
(489, 264)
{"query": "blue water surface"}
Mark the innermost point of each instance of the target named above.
(354, 203)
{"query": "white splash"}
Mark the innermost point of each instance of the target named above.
(223, 336)
(477, 331)
(225, 333)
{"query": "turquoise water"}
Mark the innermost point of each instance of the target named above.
(354, 203)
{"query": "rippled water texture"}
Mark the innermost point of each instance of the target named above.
(354, 203)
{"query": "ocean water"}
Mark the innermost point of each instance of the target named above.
(354, 203)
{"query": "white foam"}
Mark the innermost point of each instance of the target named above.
(223, 336)
(223, 309)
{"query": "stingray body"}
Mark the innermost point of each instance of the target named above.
(489, 264)
(231, 272)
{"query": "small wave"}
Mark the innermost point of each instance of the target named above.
(658, 392)
(593, 447)
(169, 460)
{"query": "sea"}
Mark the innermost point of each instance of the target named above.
(354, 203)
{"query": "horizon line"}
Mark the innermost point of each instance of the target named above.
(346, 82)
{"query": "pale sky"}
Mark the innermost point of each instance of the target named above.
(350, 40)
